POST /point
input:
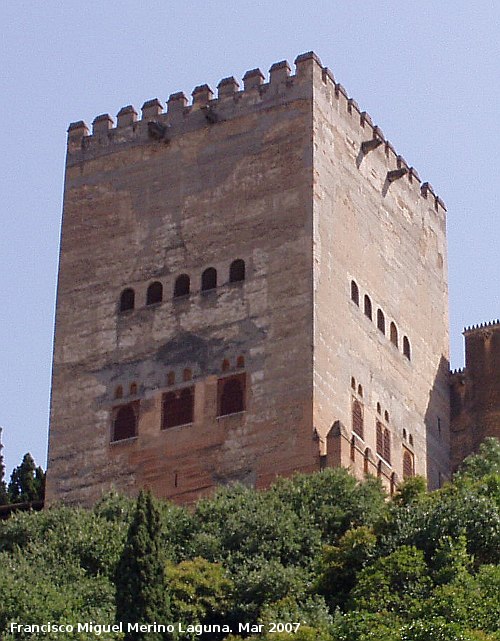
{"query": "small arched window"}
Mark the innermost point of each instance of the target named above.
(154, 293)
(187, 375)
(381, 321)
(237, 271)
(406, 348)
(379, 409)
(240, 361)
(133, 389)
(368, 307)
(357, 418)
(209, 279)
(387, 445)
(354, 292)
(124, 423)
(171, 378)
(404, 433)
(231, 395)
(182, 286)
(353, 383)
(408, 468)
(119, 392)
(225, 365)
(386, 416)
(127, 299)
(394, 334)
(360, 390)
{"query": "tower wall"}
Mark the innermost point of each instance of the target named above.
(142, 203)
(375, 224)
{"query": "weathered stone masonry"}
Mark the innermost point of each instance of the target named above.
(293, 180)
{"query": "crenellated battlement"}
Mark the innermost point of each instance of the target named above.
(206, 109)
(494, 324)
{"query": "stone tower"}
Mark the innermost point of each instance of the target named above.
(250, 285)
(475, 392)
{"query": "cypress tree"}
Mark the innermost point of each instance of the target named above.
(4, 497)
(141, 586)
(26, 482)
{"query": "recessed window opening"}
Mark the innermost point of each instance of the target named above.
(387, 446)
(353, 383)
(381, 321)
(119, 392)
(171, 378)
(133, 389)
(187, 375)
(380, 438)
(357, 418)
(127, 300)
(408, 468)
(182, 286)
(379, 409)
(237, 271)
(209, 279)
(368, 307)
(386, 416)
(354, 292)
(240, 361)
(178, 408)
(406, 348)
(124, 423)
(231, 395)
(226, 365)
(411, 439)
(360, 389)
(154, 294)
(394, 334)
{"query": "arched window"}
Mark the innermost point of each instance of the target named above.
(171, 378)
(381, 321)
(240, 361)
(124, 423)
(368, 307)
(386, 416)
(231, 395)
(127, 300)
(404, 433)
(408, 467)
(366, 461)
(209, 279)
(353, 448)
(380, 438)
(178, 408)
(182, 285)
(406, 348)
(387, 445)
(354, 292)
(187, 375)
(154, 293)
(225, 365)
(237, 271)
(394, 334)
(133, 389)
(357, 418)
(119, 392)
(353, 383)
(360, 390)
(379, 409)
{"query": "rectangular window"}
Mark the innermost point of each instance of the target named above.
(178, 408)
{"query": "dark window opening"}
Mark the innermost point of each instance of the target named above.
(394, 334)
(408, 469)
(187, 375)
(225, 365)
(119, 392)
(406, 348)
(387, 445)
(379, 409)
(360, 390)
(354, 292)
(353, 383)
(125, 422)
(171, 378)
(380, 438)
(237, 271)
(209, 279)
(404, 433)
(386, 416)
(127, 300)
(368, 307)
(411, 439)
(240, 361)
(178, 408)
(182, 286)
(381, 321)
(231, 395)
(323, 462)
(133, 389)
(357, 418)
(154, 293)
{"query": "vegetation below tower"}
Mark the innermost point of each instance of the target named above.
(322, 550)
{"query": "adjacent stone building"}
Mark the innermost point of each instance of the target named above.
(251, 285)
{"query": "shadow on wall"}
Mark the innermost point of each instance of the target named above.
(437, 427)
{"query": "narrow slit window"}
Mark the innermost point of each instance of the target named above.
(368, 307)
(354, 292)
(380, 438)
(394, 334)
(387, 445)
(381, 321)
(406, 348)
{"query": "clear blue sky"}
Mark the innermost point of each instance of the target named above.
(428, 72)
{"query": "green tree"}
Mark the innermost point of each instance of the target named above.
(485, 461)
(141, 585)
(4, 497)
(27, 482)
